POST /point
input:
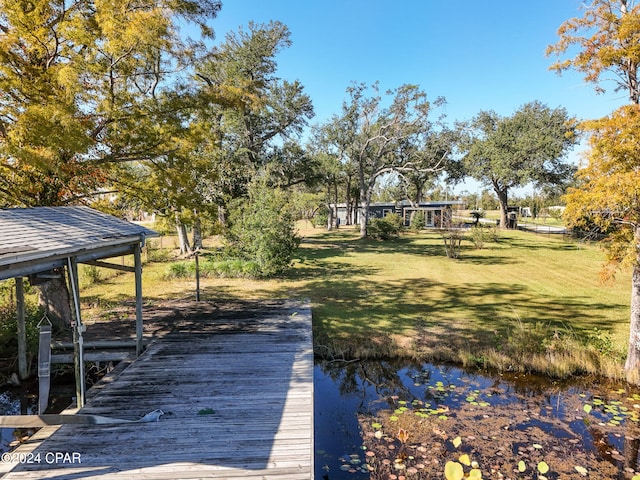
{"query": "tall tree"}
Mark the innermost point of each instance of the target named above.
(607, 37)
(78, 81)
(271, 113)
(432, 152)
(608, 196)
(242, 119)
(85, 85)
(371, 135)
(253, 118)
(330, 175)
(528, 147)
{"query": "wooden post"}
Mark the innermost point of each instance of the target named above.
(22, 330)
(78, 344)
(138, 274)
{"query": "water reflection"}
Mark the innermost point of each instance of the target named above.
(15, 401)
(594, 425)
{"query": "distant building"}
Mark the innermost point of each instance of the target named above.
(435, 213)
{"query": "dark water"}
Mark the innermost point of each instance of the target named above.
(23, 400)
(15, 401)
(344, 390)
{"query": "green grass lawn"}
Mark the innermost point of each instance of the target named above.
(523, 285)
(405, 297)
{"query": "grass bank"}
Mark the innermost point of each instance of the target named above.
(523, 303)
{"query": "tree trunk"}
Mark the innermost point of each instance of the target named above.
(222, 216)
(419, 185)
(329, 209)
(365, 199)
(349, 218)
(183, 238)
(335, 205)
(503, 199)
(197, 233)
(632, 365)
(364, 213)
(330, 218)
(53, 297)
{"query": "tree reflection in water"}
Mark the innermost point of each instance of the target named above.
(347, 390)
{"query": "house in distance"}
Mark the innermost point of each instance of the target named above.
(436, 214)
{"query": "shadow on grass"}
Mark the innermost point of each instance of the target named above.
(463, 315)
(428, 244)
(356, 302)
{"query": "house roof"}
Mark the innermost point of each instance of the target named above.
(407, 203)
(34, 240)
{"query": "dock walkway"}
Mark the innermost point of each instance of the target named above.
(238, 401)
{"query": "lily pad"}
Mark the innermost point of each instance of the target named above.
(453, 471)
(543, 467)
(475, 474)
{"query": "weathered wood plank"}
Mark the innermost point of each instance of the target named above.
(256, 384)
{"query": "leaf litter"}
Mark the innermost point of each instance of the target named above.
(455, 430)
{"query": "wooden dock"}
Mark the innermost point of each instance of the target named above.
(238, 397)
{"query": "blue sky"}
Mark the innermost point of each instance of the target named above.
(479, 55)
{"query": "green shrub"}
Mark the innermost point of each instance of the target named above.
(418, 221)
(603, 343)
(479, 235)
(9, 328)
(385, 228)
(157, 254)
(263, 231)
(90, 274)
(181, 270)
(215, 266)
(321, 218)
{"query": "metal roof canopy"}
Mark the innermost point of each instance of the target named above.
(36, 240)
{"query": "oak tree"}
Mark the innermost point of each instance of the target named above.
(371, 135)
(527, 147)
(269, 111)
(254, 116)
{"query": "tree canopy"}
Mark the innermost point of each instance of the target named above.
(86, 84)
(608, 40)
(376, 138)
(527, 147)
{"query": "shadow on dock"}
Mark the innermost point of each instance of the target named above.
(236, 386)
